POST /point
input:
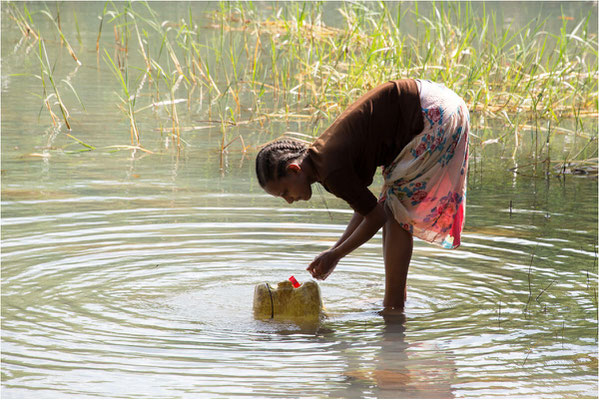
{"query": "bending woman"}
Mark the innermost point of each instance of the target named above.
(417, 131)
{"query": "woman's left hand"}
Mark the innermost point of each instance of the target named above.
(323, 265)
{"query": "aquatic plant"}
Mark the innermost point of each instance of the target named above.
(62, 36)
(127, 100)
(522, 76)
(49, 98)
(284, 63)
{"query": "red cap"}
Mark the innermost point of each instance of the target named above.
(294, 282)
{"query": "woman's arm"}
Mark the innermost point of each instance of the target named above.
(366, 227)
(354, 222)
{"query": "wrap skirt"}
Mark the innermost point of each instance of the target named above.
(425, 185)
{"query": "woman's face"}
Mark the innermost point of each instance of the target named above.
(293, 186)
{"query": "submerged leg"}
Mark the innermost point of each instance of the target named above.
(397, 251)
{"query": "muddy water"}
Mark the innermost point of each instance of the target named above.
(131, 275)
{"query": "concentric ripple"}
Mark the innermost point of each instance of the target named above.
(151, 296)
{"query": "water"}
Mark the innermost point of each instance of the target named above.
(126, 274)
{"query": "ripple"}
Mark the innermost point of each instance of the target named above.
(97, 296)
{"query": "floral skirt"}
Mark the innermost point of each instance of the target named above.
(425, 186)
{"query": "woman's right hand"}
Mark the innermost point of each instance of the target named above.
(323, 264)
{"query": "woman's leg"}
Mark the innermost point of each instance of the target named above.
(397, 251)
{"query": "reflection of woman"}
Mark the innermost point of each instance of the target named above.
(418, 131)
(403, 370)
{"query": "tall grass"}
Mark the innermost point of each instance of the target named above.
(261, 64)
(529, 79)
(51, 94)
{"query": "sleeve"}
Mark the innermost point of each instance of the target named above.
(347, 186)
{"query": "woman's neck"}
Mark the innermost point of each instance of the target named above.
(308, 169)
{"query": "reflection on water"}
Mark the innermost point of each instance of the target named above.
(121, 286)
(399, 369)
(128, 275)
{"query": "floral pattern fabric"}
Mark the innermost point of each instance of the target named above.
(425, 186)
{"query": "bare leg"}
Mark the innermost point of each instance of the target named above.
(397, 251)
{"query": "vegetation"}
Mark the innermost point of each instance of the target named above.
(259, 64)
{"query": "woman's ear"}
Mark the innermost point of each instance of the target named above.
(294, 167)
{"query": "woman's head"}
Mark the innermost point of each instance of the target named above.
(280, 170)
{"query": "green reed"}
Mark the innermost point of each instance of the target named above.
(127, 99)
(265, 63)
(25, 23)
(56, 22)
(51, 95)
(523, 77)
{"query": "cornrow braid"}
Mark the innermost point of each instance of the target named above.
(273, 159)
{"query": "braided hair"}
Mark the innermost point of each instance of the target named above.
(272, 160)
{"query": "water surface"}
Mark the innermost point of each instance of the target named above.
(126, 274)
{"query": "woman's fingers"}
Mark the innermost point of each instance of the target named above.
(312, 269)
(315, 271)
(319, 268)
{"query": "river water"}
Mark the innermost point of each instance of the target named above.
(126, 274)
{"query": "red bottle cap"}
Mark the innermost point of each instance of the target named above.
(294, 282)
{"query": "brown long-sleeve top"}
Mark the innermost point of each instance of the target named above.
(370, 133)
